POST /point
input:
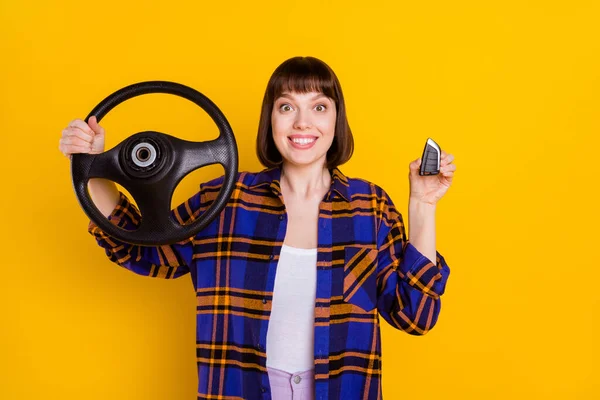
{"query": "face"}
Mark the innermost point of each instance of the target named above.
(303, 126)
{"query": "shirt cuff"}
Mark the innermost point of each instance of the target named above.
(125, 215)
(418, 271)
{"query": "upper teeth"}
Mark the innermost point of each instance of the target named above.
(303, 140)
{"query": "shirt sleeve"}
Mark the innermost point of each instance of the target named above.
(409, 285)
(163, 261)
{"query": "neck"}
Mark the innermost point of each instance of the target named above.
(305, 181)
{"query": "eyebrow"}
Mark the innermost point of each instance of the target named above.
(287, 96)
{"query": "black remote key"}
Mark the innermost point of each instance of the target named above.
(430, 160)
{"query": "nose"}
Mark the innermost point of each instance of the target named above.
(302, 120)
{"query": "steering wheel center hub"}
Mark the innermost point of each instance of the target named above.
(144, 155)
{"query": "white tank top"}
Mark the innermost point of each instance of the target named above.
(290, 334)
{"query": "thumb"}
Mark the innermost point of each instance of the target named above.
(415, 164)
(93, 123)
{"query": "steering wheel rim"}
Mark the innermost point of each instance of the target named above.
(152, 186)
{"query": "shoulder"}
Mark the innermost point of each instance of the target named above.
(243, 180)
(359, 188)
(365, 194)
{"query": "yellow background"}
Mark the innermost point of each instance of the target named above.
(511, 88)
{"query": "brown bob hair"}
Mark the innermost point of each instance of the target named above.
(302, 75)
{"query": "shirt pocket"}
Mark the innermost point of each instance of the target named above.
(360, 272)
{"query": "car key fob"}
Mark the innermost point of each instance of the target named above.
(430, 160)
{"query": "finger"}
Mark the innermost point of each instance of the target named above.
(66, 148)
(93, 122)
(74, 140)
(447, 168)
(79, 124)
(75, 132)
(415, 164)
(73, 149)
(449, 158)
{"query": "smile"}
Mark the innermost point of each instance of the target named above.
(302, 142)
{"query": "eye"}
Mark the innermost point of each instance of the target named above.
(322, 107)
(285, 107)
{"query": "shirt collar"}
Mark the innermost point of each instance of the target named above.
(272, 177)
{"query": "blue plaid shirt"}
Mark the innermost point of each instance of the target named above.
(366, 268)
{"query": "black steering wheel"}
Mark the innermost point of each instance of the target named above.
(150, 165)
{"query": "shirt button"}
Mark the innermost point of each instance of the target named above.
(271, 256)
(264, 301)
(297, 379)
(281, 217)
(262, 389)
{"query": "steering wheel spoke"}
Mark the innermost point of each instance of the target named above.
(155, 206)
(106, 165)
(194, 155)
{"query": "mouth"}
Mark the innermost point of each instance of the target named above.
(302, 142)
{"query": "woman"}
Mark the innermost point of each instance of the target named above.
(338, 246)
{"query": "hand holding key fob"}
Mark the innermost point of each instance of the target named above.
(431, 158)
